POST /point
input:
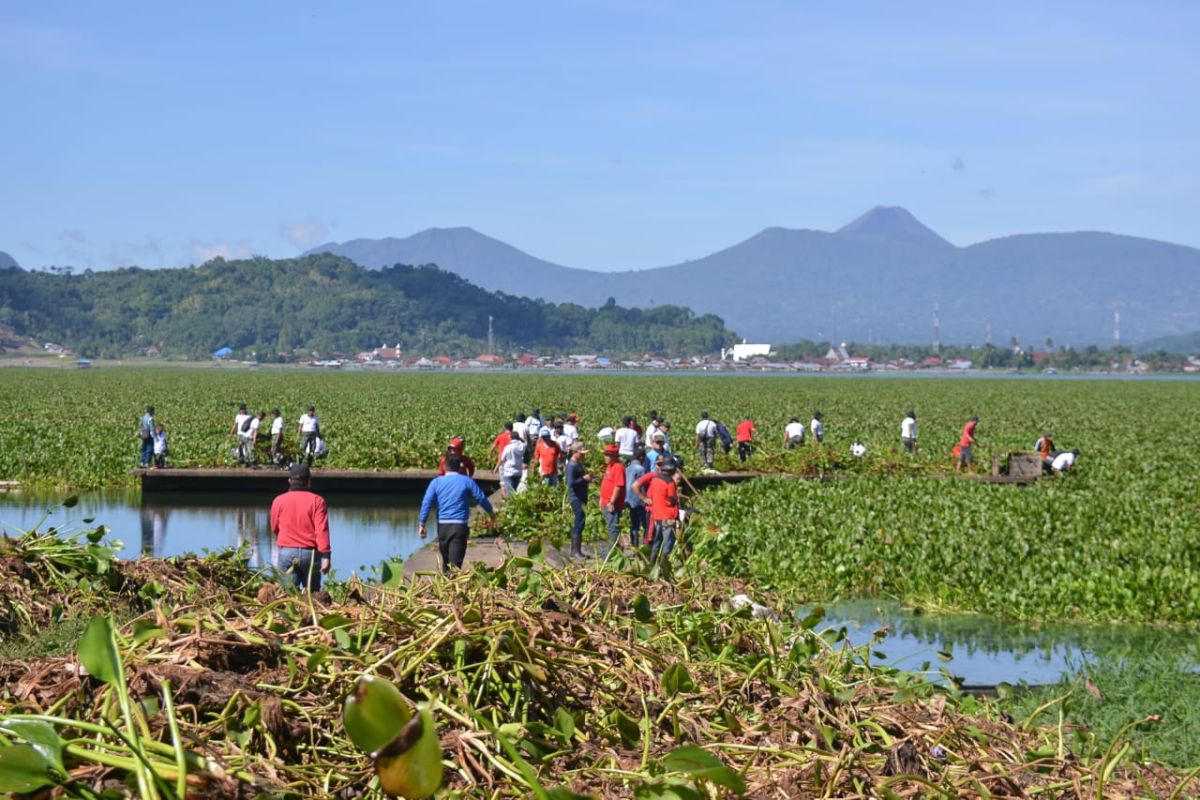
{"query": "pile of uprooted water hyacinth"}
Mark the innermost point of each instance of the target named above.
(200, 678)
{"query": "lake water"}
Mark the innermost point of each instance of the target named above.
(985, 651)
(364, 530)
(368, 529)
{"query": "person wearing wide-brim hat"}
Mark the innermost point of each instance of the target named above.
(578, 481)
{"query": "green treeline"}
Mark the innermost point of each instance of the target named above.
(326, 305)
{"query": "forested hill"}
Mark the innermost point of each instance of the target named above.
(323, 304)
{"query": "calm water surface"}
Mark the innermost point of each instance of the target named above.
(364, 530)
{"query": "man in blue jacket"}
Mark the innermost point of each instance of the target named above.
(452, 494)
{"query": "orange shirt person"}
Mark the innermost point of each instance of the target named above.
(466, 463)
(659, 490)
(745, 439)
(547, 454)
(965, 443)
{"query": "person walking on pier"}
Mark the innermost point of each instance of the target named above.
(146, 434)
(243, 432)
(300, 522)
(452, 495)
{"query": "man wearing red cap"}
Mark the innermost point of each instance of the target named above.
(612, 492)
(466, 463)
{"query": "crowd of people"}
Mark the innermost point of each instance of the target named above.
(639, 488)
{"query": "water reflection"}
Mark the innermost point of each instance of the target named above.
(364, 530)
(984, 650)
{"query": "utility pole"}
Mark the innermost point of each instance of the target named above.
(491, 338)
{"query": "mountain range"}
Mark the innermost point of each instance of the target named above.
(6, 260)
(878, 279)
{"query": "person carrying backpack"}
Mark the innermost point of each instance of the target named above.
(706, 436)
(243, 431)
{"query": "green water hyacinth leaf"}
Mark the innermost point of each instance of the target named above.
(641, 609)
(703, 765)
(23, 768)
(374, 713)
(41, 736)
(98, 650)
(676, 679)
(410, 765)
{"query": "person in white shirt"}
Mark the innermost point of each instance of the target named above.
(563, 441)
(533, 424)
(706, 439)
(511, 464)
(626, 439)
(255, 425)
(1065, 461)
(244, 452)
(310, 429)
(518, 428)
(908, 432)
(793, 434)
(818, 428)
(277, 437)
(570, 428)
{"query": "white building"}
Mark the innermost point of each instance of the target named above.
(745, 352)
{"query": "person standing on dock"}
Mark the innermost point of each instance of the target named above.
(160, 447)
(612, 493)
(146, 434)
(310, 429)
(452, 495)
(578, 481)
(277, 437)
(745, 439)
(908, 432)
(243, 421)
(300, 522)
(967, 441)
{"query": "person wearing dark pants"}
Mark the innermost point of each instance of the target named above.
(146, 434)
(612, 493)
(577, 492)
(452, 495)
(638, 520)
(300, 522)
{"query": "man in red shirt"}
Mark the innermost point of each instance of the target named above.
(965, 457)
(547, 454)
(466, 463)
(659, 490)
(612, 493)
(300, 523)
(501, 441)
(745, 438)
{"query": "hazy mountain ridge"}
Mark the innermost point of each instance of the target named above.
(7, 261)
(876, 278)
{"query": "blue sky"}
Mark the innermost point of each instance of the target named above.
(605, 136)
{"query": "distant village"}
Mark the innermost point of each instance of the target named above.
(738, 358)
(743, 357)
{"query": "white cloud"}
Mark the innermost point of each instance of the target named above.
(207, 251)
(306, 233)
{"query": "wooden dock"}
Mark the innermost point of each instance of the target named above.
(270, 479)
